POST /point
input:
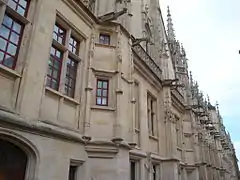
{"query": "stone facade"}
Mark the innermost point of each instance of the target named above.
(98, 89)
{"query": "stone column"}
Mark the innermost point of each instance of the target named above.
(117, 127)
(170, 167)
(89, 88)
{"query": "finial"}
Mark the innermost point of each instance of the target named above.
(183, 50)
(191, 78)
(208, 99)
(170, 30)
(217, 106)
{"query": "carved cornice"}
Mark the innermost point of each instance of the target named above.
(101, 151)
(147, 60)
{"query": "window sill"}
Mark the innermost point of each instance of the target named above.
(153, 137)
(62, 95)
(9, 71)
(58, 45)
(105, 45)
(106, 108)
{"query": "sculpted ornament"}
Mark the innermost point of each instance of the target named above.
(92, 47)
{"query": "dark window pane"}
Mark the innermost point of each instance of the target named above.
(71, 77)
(23, 3)
(7, 21)
(16, 27)
(49, 71)
(4, 32)
(73, 45)
(55, 74)
(104, 101)
(12, 4)
(12, 49)
(3, 44)
(1, 56)
(59, 34)
(14, 38)
(99, 92)
(72, 173)
(48, 81)
(105, 93)
(102, 92)
(55, 36)
(20, 10)
(50, 62)
(54, 84)
(133, 170)
(8, 61)
(19, 6)
(104, 39)
(105, 85)
(58, 54)
(99, 101)
(57, 64)
(99, 84)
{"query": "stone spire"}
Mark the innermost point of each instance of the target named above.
(170, 30)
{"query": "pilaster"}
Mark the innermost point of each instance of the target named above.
(89, 88)
(117, 127)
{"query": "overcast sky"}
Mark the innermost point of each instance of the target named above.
(210, 33)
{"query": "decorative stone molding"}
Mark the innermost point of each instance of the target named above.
(101, 151)
(147, 60)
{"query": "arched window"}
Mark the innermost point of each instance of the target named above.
(13, 161)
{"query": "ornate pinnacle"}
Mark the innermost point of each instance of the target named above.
(191, 78)
(170, 30)
(183, 50)
(217, 106)
(208, 99)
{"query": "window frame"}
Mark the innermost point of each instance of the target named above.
(68, 76)
(152, 114)
(63, 46)
(137, 169)
(53, 68)
(22, 20)
(75, 170)
(102, 89)
(102, 34)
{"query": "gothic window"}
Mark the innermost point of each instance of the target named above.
(13, 161)
(134, 170)
(154, 172)
(72, 172)
(151, 108)
(64, 60)
(102, 92)
(137, 113)
(137, 105)
(70, 79)
(11, 31)
(54, 68)
(104, 39)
